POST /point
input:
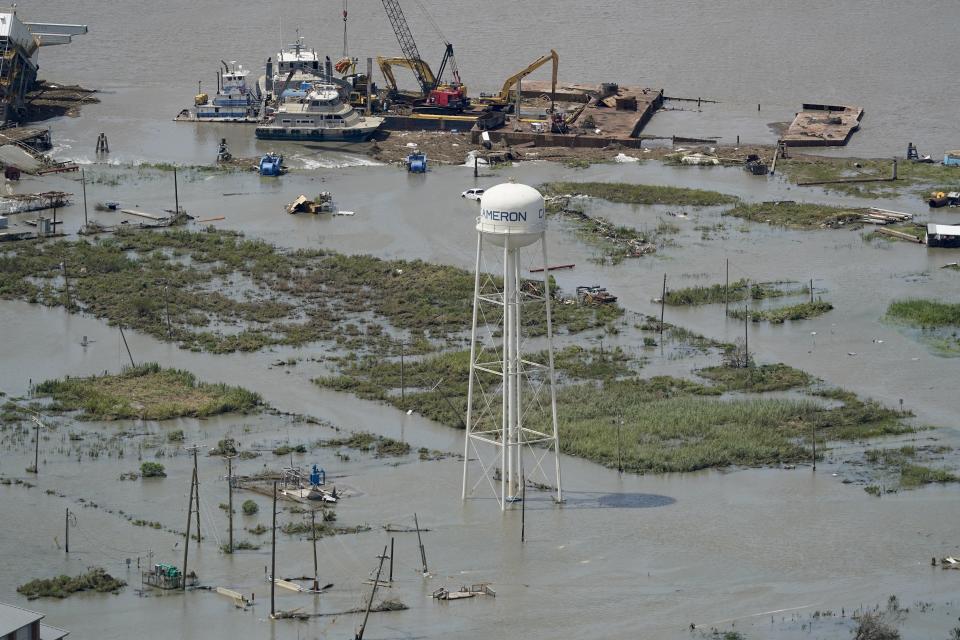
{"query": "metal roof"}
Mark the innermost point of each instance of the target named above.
(13, 618)
(943, 229)
(52, 633)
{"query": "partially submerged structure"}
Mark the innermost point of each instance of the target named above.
(20, 44)
(823, 125)
(943, 235)
(23, 624)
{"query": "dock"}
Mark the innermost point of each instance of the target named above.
(143, 214)
(823, 125)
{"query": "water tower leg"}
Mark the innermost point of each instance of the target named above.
(553, 390)
(508, 363)
(473, 359)
(517, 383)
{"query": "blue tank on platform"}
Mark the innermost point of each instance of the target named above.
(271, 164)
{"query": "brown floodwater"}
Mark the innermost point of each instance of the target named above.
(626, 556)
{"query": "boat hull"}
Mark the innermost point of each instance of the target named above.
(360, 134)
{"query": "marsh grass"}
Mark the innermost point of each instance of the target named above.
(924, 314)
(640, 193)
(767, 377)
(797, 215)
(147, 392)
(779, 315)
(219, 292)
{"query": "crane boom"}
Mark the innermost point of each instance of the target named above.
(408, 46)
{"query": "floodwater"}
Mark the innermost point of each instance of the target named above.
(626, 556)
(888, 58)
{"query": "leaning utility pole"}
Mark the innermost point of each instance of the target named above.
(313, 529)
(196, 480)
(663, 301)
(376, 581)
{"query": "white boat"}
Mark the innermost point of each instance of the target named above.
(293, 67)
(235, 100)
(321, 115)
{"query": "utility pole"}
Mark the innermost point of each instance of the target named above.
(83, 181)
(391, 559)
(814, 447)
(726, 291)
(186, 534)
(36, 450)
(273, 554)
(66, 282)
(129, 355)
(423, 553)
(230, 497)
(313, 529)
(811, 290)
(66, 529)
(376, 581)
(402, 381)
(619, 440)
(196, 477)
(746, 336)
(176, 195)
(166, 305)
(663, 301)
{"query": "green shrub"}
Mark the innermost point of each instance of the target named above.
(250, 508)
(152, 470)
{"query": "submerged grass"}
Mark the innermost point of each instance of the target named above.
(797, 215)
(909, 174)
(734, 292)
(640, 193)
(667, 423)
(922, 313)
(779, 315)
(147, 392)
(217, 291)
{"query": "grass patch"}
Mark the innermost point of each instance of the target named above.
(779, 315)
(436, 386)
(924, 314)
(767, 377)
(382, 446)
(909, 175)
(797, 215)
(640, 193)
(915, 475)
(147, 392)
(734, 292)
(615, 242)
(96, 579)
(217, 291)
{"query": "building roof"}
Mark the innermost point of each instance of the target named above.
(943, 229)
(13, 618)
(52, 633)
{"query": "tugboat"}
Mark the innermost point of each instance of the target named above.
(295, 65)
(235, 100)
(322, 115)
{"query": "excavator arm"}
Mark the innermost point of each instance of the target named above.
(419, 68)
(504, 96)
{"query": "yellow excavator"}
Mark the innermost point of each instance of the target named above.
(502, 99)
(433, 93)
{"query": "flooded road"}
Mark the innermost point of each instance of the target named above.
(626, 555)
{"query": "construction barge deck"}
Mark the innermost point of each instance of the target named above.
(823, 125)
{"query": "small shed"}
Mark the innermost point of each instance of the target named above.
(943, 235)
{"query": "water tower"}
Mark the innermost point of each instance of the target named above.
(505, 387)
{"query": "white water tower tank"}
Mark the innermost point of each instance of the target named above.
(512, 215)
